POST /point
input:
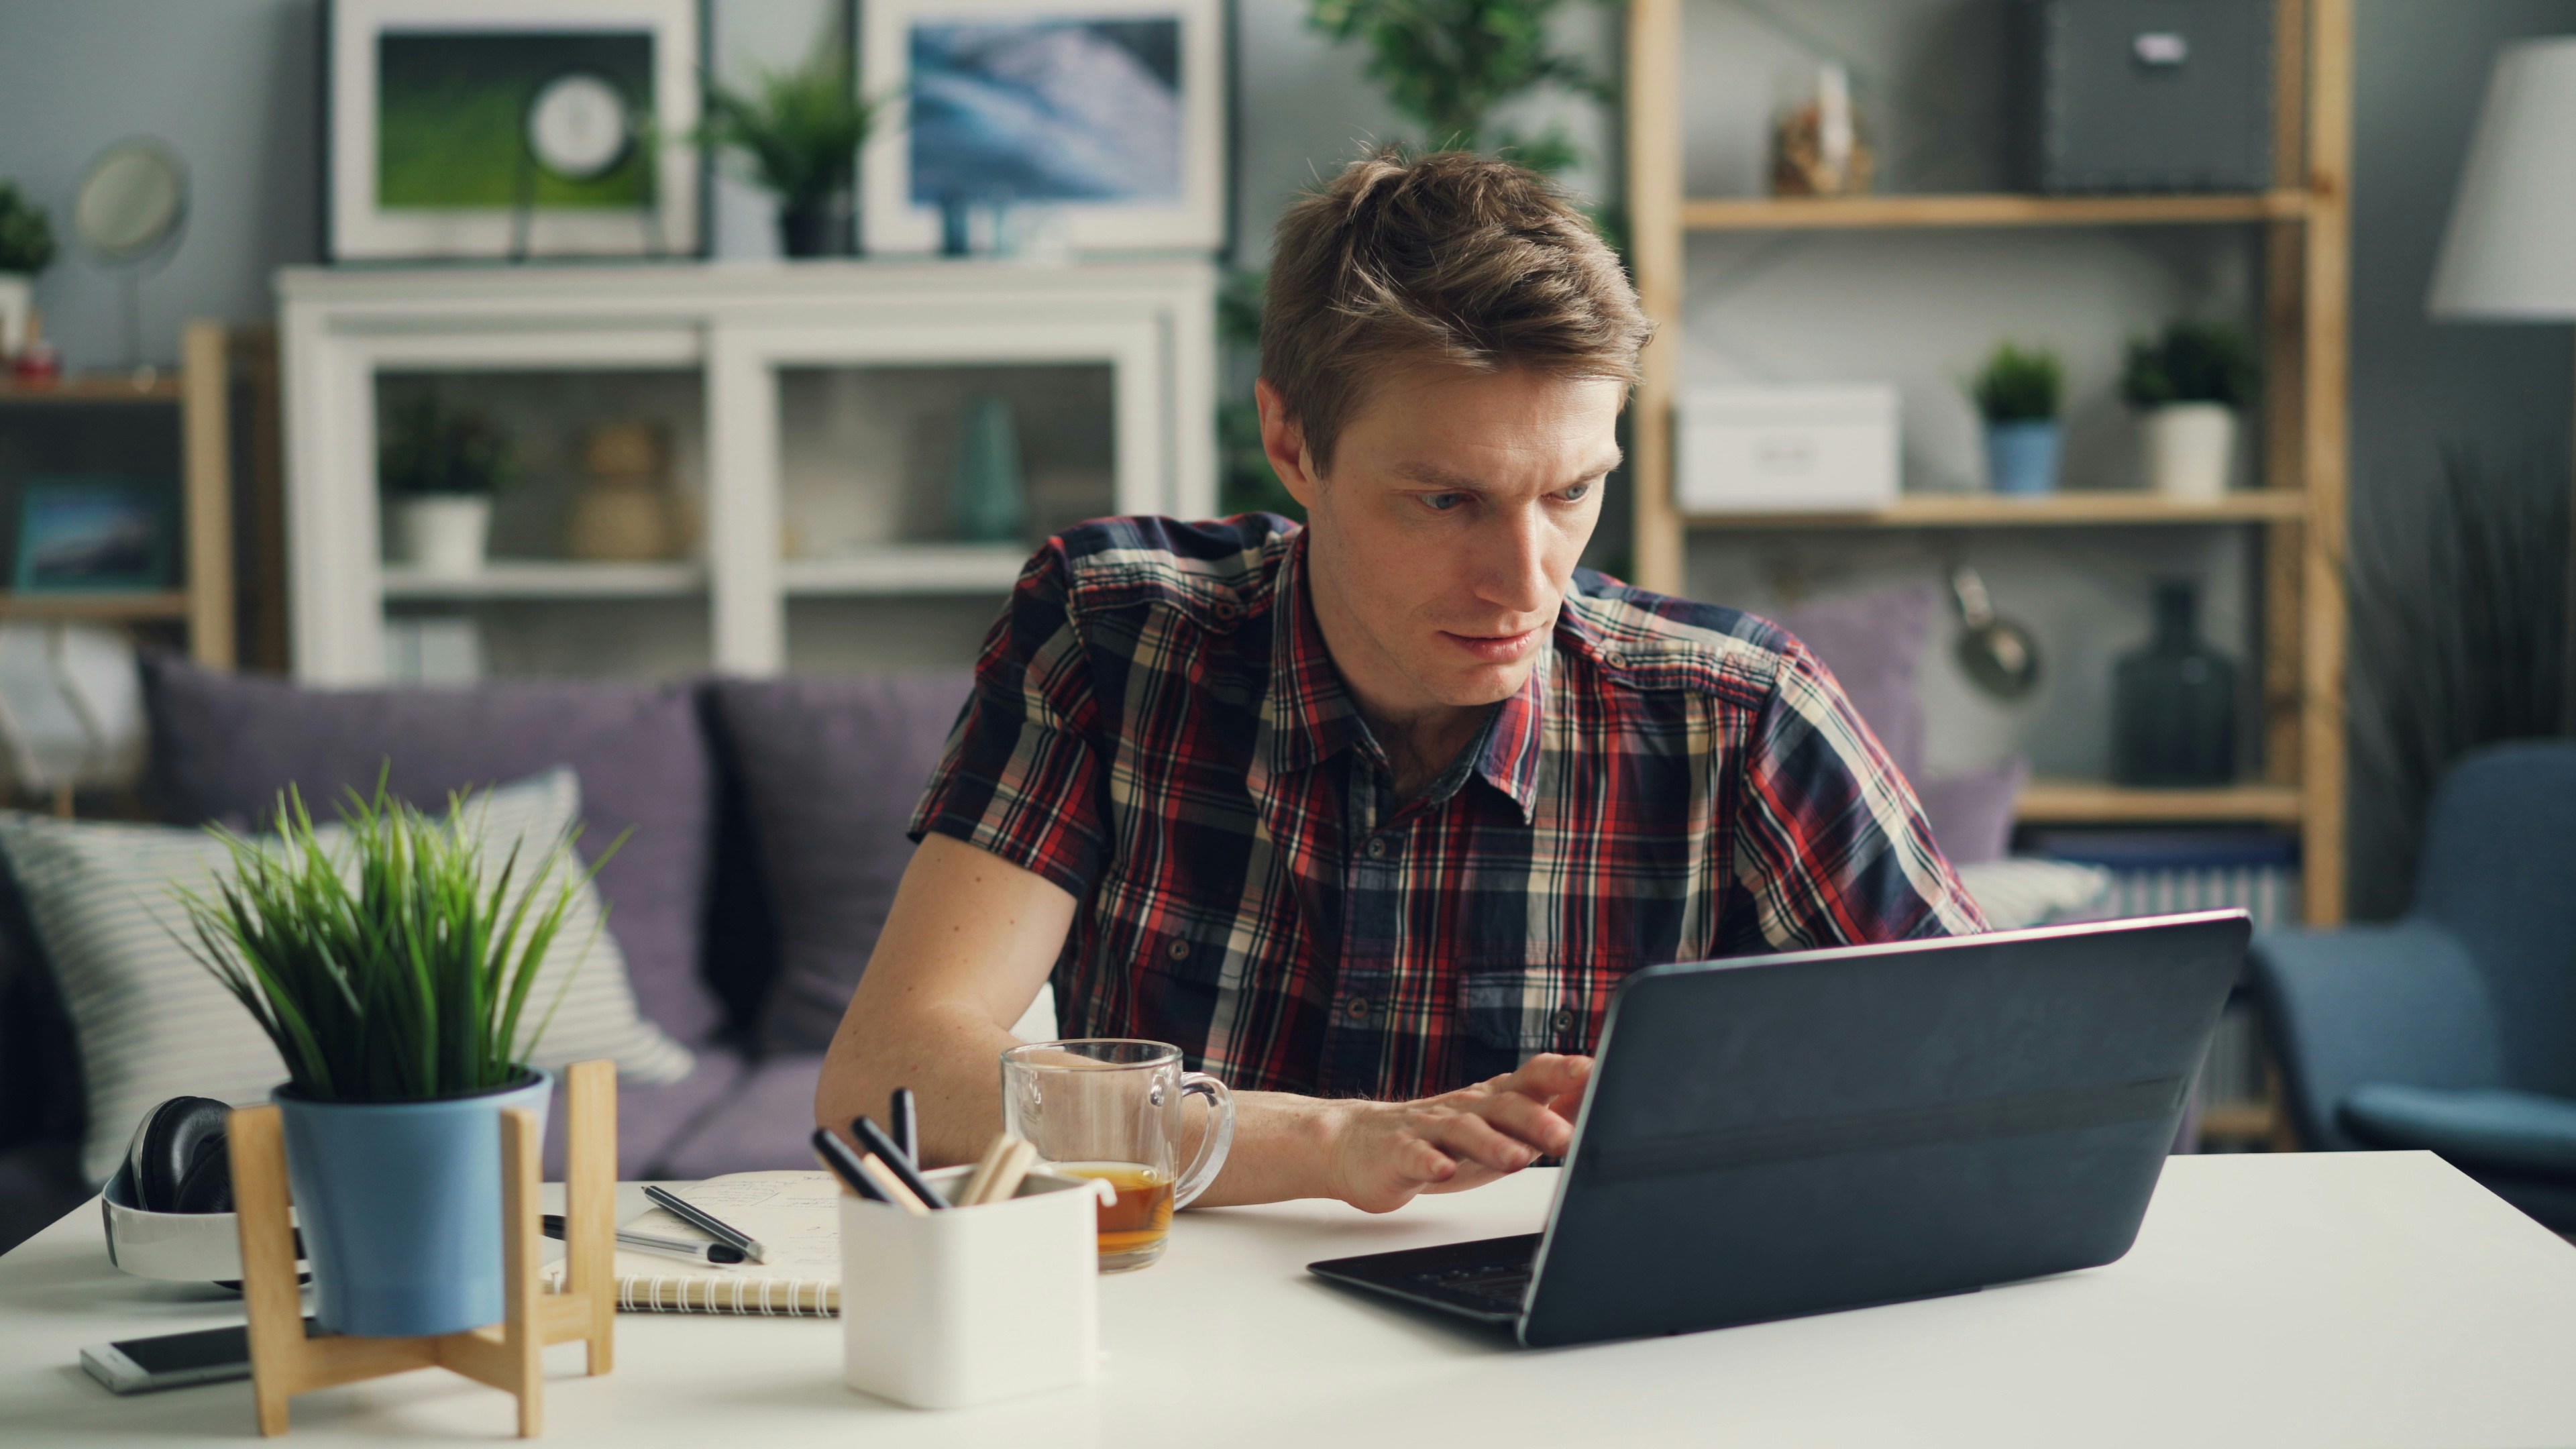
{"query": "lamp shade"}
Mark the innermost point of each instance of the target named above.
(2510, 254)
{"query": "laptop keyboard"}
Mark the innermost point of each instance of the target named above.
(1492, 1285)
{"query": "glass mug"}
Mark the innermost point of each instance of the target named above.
(1110, 1109)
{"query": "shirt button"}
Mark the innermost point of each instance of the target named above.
(1359, 1008)
(1565, 1018)
(1178, 950)
(1615, 661)
(1377, 850)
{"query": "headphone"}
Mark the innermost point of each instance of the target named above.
(178, 1160)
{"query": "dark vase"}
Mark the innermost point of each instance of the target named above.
(2174, 702)
(819, 226)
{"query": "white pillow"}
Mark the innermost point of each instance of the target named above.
(151, 1023)
(2028, 891)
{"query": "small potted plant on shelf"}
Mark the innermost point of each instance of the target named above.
(801, 130)
(26, 248)
(394, 973)
(2191, 383)
(2018, 393)
(440, 467)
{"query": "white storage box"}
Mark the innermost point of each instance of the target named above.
(959, 1307)
(1787, 449)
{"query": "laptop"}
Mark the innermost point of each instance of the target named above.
(1773, 1136)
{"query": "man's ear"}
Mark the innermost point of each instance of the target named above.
(1284, 442)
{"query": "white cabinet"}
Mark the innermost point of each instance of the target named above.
(810, 413)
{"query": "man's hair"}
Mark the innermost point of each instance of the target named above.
(1450, 258)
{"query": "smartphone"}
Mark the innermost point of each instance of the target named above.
(139, 1365)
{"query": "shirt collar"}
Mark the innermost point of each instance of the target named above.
(1310, 717)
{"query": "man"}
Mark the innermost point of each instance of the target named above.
(1370, 818)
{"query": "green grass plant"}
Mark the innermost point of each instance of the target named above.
(2193, 362)
(2019, 385)
(800, 128)
(379, 958)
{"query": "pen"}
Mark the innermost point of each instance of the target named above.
(836, 1155)
(873, 1138)
(906, 1125)
(705, 1222)
(676, 1247)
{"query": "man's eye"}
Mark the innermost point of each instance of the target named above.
(1442, 502)
(1577, 493)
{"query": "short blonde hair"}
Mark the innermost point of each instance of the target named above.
(1448, 258)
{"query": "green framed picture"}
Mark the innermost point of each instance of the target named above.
(95, 535)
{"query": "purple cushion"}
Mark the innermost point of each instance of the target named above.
(762, 1126)
(651, 1119)
(830, 771)
(223, 746)
(1972, 814)
(1874, 644)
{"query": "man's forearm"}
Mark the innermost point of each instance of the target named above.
(951, 1059)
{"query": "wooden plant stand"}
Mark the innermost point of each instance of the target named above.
(509, 1355)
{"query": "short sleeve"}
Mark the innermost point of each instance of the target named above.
(1831, 847)
(1024, 773)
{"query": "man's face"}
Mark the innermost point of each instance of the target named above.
(1442, 541)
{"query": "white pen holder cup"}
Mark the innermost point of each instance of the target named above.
(945, 1309)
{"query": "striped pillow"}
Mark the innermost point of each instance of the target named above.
(152, 1023)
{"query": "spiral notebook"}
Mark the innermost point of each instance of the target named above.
(796, 1216)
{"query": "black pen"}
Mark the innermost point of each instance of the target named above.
(706, 1222)
(676, 1247)
(873, 1138)
(836, 1155)
(906, 1124)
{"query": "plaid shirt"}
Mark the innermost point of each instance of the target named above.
(1157, 728)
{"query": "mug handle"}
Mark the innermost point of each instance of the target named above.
(1213, 1147)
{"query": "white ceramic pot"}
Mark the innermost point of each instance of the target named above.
(17, 303)
(443, 533)
(2190, 447)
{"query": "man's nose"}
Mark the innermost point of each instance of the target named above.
(1512, 566)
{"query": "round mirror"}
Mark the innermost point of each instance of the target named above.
(131, 200)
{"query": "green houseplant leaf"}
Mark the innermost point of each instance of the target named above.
(386, 966)
(800, 127)
(1450, 64)
(26, 234)
(2192, 362)
(2019, 385)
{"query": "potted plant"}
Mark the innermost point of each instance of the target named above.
(440, 467)
(2191, 383)
(2018, 393)
(394, 973)
(26, 248)
(801, 129)
(1453, 65)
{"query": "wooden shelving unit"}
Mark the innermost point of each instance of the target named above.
(2300, 509)
(202, 390)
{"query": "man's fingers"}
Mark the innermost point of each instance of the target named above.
(1548, 1076)
(1470, 1138)
(1532, 1120)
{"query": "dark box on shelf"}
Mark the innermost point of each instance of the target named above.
(2147, 95)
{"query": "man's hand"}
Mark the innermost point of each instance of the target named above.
(1383, 1153)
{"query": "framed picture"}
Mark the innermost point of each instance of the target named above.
(511, 128)
(95, 535)
(1111, 112)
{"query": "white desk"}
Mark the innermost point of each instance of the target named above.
(2327, 1300)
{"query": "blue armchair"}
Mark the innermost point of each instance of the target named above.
(2455, 1028)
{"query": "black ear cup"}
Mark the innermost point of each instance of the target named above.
(207, 1185)
(171, 1140)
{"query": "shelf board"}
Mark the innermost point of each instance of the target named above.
(114, 387)
(170, 604)
(2089, 802)
(1844, 213)
(923, 568)
(2239, 1122)
(2051, 510)
(547, 579)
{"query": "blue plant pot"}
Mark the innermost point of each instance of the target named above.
(400, 1205)
(2022, 458)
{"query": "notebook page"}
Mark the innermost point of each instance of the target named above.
(796, 1216)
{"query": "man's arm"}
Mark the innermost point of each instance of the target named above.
(968, 942)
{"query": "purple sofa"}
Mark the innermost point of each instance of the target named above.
(766, 822)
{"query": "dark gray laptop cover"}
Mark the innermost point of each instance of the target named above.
(1782, 1135)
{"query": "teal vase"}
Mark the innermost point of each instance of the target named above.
(400, 1207)
(991, 504)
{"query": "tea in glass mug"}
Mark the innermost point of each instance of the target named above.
(1111, 1109)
